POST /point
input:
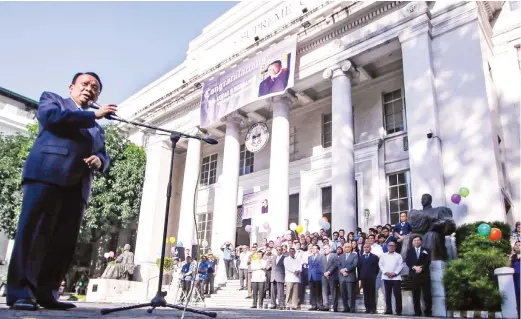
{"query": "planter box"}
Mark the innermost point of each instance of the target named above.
(473, 314)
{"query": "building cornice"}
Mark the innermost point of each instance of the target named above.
(336, 18)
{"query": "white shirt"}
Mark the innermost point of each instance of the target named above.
(391, 262)
(290, 266)
(377, 250)
(244, 256)
(257, 270)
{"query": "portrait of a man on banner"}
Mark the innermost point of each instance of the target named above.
(275, 76)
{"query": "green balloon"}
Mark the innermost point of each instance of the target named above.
(484, 230)
(464, 192)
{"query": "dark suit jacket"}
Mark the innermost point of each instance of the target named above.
(368, 267)
(315, 271)
(330, 265)
(275, 85)
(350, 263)
(66, 136)
(277, 269)
(424, 260)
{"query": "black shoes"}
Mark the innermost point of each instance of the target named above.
(24, 304)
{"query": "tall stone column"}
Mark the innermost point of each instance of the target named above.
(343, 148)
(225, 210)
(185, 233)
(425, 159)
(278, 198)
(152, 213)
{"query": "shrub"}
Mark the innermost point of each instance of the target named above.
(469, 281)
(466, 230)
(167, 266)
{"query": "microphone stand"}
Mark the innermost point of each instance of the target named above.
(159, 300)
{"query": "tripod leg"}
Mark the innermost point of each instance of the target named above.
(106, 311)
(210, 314)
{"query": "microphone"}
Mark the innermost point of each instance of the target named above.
(96, 106)
(209, 140)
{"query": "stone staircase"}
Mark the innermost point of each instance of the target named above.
(229, 296)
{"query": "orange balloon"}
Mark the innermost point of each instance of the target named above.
(495, 234)
(325, 218)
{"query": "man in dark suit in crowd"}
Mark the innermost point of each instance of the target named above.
(347, 264)
(277, 81)
(367, 272)
(56, 180)
(419, 260)
(330, 278)
(315, 273)
(277, 280)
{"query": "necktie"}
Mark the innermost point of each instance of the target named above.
(418, 253)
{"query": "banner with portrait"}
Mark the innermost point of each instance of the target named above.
(255, 204)
(268, 74)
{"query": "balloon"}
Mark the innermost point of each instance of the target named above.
(204, 243)
(111, 254)
(455, 198)
(288, 232)
(321, 222)
(325, 218)
(495, 234)
(247, 228)
(180, 244)
(106, 255)
(172, 250)
(266, 225)
(171, 239)
(464, 192)
(356, 238)
(484, 230)
(292, 226)
(277, 242)
(255, 257)
(327, 226)
(300, 229)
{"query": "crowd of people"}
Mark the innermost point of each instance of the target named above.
(335, 268)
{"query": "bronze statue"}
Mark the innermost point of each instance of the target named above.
(123, 268)
(433, 224)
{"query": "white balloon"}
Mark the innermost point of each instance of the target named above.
(106, 255)
(327, 225)
(204, 243)
(292, 226)
(288, 232)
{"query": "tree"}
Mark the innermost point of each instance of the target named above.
(116, 196)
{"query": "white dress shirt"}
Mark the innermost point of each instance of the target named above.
(257, 270)
(391, 262)
(244, 256)
(291, 265)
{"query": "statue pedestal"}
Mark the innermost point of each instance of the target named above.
(113, 290)
(505, 281)
(437, 269)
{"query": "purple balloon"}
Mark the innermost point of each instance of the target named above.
(456, 198)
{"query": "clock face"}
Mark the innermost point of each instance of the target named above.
(257, 137)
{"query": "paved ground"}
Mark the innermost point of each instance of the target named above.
(91, 310)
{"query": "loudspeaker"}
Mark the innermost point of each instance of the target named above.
(195, 252)
(180, 253)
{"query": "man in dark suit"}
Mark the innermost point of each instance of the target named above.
(367, 272)
(329, 264)
(315, 273)
(419, 260)
(56, 180)
(277, 81)
(277, 280)
(347, 264)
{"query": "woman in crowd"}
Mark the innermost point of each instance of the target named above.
(516, 233)
(515, 263)
(258, 279)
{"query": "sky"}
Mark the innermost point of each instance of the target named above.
(128, 44)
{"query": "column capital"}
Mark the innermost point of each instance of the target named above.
(235, 118)
(286, 98)
(344, 68)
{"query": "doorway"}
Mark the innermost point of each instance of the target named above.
(242, 237)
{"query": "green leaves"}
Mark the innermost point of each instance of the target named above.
(116, 196)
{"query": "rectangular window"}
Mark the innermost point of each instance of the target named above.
(204, 230)
(399, 195)
(208, 170)
(246, 162)
(294, 205)
(327, 130)
(394, 112)
(514, 5)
